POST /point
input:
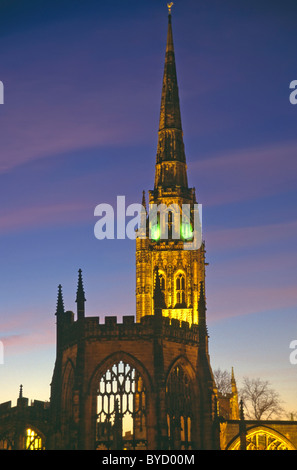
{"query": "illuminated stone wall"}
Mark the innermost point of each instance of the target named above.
(259, 435)
(154, 349)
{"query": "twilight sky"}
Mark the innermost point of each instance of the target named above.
(79, 127)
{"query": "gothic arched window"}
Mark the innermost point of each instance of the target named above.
(162, 282)
(121, 409)
(32, 441)
(263, 439)
(179, 403)
(5, 443)
(180, 289)
(67, 403)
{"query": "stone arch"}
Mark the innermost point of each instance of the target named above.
(163, 283)
(6, 441)
(32, 438)
(163, 279)
(180, 287)
(68, 375)
(262, 438)
(67, 383)
(185, 363)
(108, 361)
(120, 391)
(182, 409)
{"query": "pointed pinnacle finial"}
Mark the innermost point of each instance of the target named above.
(80, 293)
(80, 296)
(158, 296)
(202, 300)
(241, 410)
(233, 382)
(170, 5)
(143, 203)
(60, 303)
(21, 392)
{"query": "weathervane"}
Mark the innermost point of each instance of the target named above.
(170, 5)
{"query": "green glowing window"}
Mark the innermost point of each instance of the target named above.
(186, 231)
(155, 232)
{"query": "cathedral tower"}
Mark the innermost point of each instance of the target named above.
(144, 384)
(181, 271)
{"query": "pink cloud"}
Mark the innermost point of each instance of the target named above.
(29, 340)
(32, 132)
(249, 299)
(65, 101)
(247, 174)
(25, 332)
(40, 216)
(251, 236)
(249, 269)
(254, 281)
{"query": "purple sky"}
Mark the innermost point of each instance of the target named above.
(79, 127)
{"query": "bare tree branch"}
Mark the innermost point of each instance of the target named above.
(223, 381)
(260, 400)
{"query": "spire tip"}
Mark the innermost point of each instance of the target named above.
(170, 5)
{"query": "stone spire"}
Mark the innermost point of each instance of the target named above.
(171, 170)
(80, 297)
(235, 412)
(233, 382)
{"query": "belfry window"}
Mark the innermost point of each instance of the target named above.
(179, 402)
(121, 409)
(180, 289)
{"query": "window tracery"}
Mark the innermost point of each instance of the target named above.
(179, 402)
(180, 289)
(121, 409)
(262, 439)
(32, 441)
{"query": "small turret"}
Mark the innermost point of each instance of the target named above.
(22, 402)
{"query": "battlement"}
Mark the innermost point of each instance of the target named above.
(128, 329)
(23, 403)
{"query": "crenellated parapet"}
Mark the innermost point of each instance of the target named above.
(128, 329)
